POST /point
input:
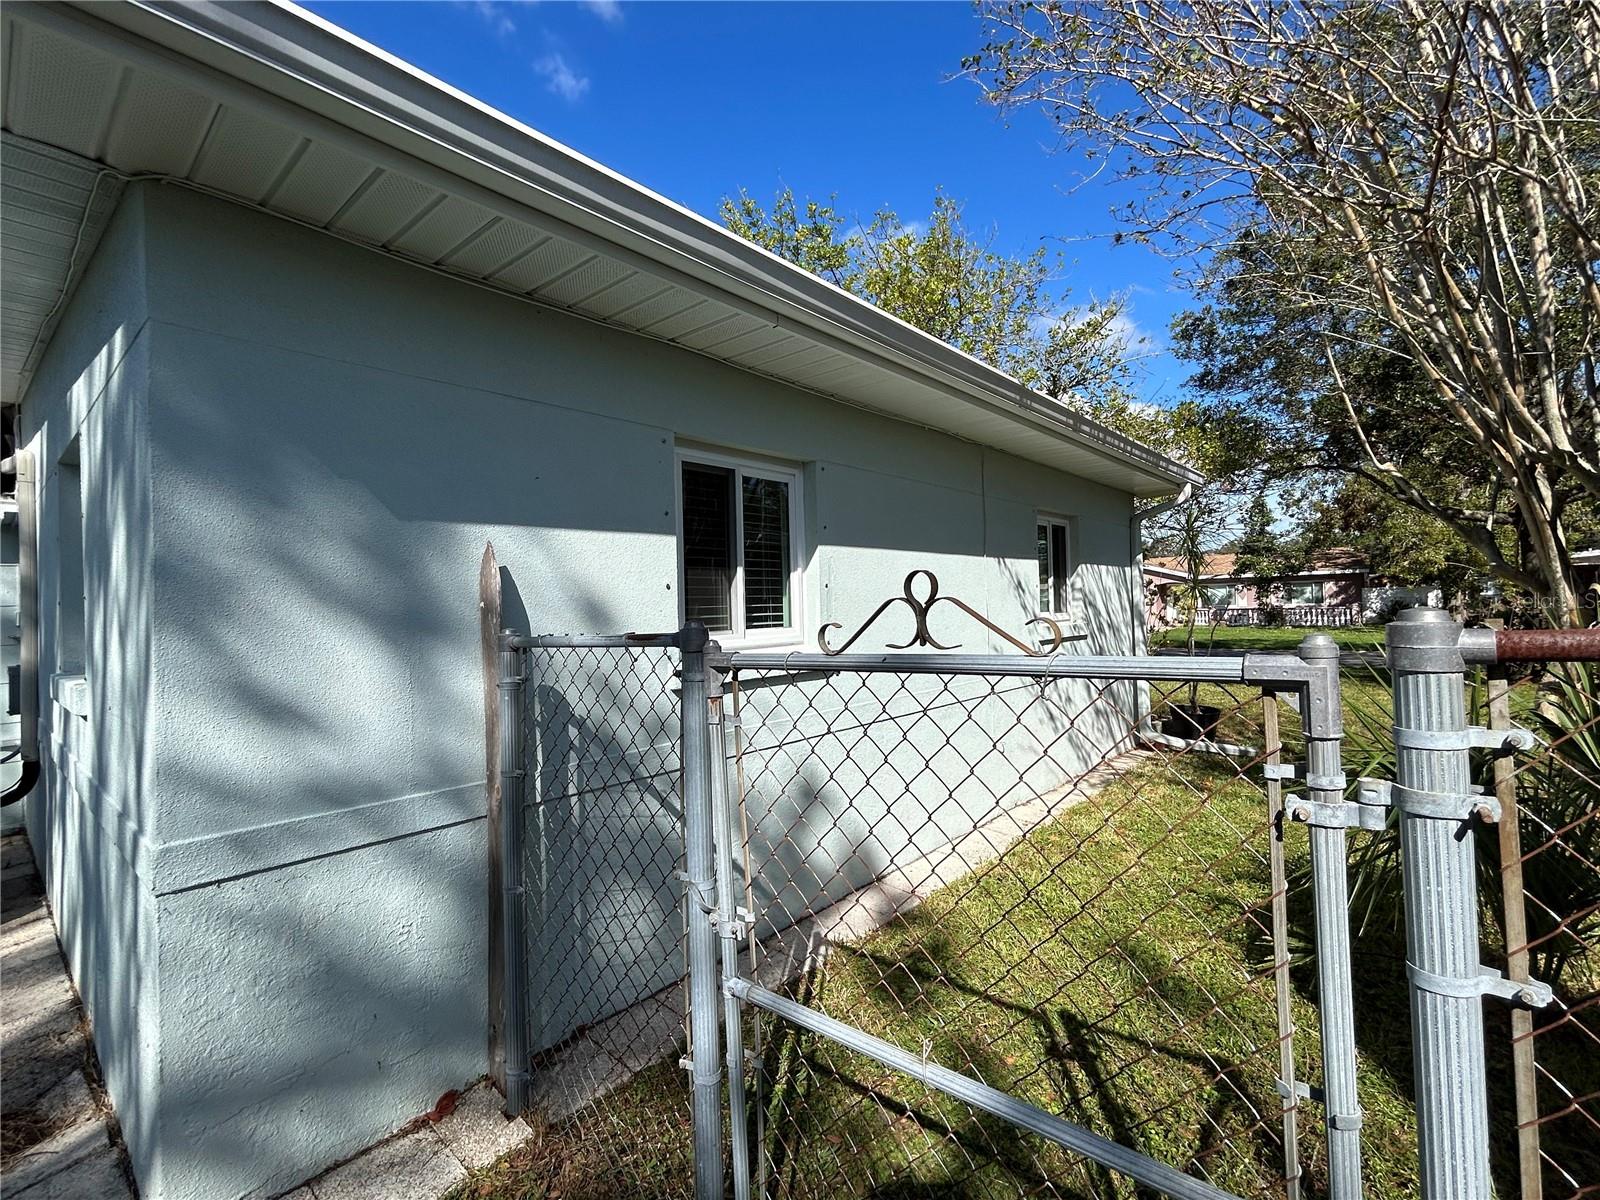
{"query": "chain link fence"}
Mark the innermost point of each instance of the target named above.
(1024, 879)
(1027, 881)
(1543, 897)
(603, 849)
(992, 928)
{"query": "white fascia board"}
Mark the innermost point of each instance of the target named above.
(313, 65)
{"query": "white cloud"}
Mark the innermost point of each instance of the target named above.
(1135, 338)
(609, 11)
(560, 78)
(496, 16)
(1133, 335)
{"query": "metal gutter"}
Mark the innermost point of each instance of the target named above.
(296, 57)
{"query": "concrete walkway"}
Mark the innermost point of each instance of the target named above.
(57, 1138)
(465, 1133)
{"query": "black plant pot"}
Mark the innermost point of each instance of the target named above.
(1190, 721)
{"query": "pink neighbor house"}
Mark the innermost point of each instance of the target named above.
(1331, 589)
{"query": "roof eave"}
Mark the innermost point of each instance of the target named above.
(298, 57)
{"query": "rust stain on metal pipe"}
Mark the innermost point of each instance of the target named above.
(1547, 645)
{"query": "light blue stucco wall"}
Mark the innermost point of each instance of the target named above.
(91, 821)
(316, 441)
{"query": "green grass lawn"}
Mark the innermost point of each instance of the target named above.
(1112, 967)
(1281, 640)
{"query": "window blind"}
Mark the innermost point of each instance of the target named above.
(708, 545)
(767, 557)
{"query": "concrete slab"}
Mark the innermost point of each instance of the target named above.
(32, 976)
(31, 1067)
(26, 914)
(414, 1166)
(477, 1132)
(69, 1102)
(53, 1155)
(97, 1177)
(45, 1059)
(15, 852)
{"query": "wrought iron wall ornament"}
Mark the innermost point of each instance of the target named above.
(920, 610)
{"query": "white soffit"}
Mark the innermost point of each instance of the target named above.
(271, 106)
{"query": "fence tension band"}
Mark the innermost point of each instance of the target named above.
(702, 891)
(1304, 1091)
(1487, 982)
(1473, 737)
(1439, 806)
(686, 1063)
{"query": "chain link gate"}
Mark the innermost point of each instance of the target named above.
(942, 916)
(893, 818)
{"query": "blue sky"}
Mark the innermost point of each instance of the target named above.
(697, 100)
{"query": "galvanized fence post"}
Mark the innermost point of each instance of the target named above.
(513, 916)
(1328, 816)
(732, 924)
(1290, 1091)
(700, 885)
(1438, 862)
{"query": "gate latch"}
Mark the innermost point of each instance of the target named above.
(735, 926)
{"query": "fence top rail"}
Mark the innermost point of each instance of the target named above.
(1530, 645)
(1246, 668)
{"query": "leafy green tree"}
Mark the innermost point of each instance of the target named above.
(1262, 552)
(947, 279)
(1404, 197)
(815, 239)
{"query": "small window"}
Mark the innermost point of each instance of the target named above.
(1055, 566)
(739, 547)
(1216, 597)
(69, 565)
(1303, 594)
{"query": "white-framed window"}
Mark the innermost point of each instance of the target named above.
(1303, 594)
(740, 546)
(1055, 542)
(1216, 597)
